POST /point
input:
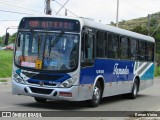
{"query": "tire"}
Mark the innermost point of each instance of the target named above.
(134, 92)
(97, 95)
(40, 100)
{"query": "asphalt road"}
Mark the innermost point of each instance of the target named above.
(147, 100)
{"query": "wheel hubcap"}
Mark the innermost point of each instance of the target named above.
(96, 94)
(135, 90)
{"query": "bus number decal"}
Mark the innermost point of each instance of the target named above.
(100, 71)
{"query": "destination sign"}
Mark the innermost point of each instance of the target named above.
(57, 24)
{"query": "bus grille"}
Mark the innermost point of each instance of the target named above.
(37, 82)
(41, 91)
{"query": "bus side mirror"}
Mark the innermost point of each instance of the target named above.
(6, 39)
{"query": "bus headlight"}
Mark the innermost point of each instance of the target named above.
(69, 82)
(17, 78)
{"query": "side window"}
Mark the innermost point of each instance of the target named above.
(150, 49)
(142, 50)
(134, 49)
(124, 48)
(113, 46)
(87, 46)
(101, 42)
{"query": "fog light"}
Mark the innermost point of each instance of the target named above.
(55, 93)
(25, 89)
(65, 94)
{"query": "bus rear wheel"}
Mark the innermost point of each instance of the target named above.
(97, 95)
(40, 100)
(134, 91)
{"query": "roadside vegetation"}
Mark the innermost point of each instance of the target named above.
(3, 81)
(5, 63)
(157, 71)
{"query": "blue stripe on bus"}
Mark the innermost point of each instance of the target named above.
(148, 75)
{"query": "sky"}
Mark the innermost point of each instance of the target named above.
(103, 11)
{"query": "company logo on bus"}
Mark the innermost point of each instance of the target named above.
(120, 71)
(41, 83)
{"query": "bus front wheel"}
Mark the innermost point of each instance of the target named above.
(41, 100)
(97, 95)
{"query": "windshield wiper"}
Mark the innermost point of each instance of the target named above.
(56, 40)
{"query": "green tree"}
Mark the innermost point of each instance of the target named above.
(2, 41)
(12, 38)
(156, 35)
(153, 22)
(112, 23)
(140, 29)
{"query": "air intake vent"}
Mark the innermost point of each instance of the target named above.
(41, 91)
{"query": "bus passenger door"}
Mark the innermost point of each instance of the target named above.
(87, 73)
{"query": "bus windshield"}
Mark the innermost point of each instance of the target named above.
(47, 51)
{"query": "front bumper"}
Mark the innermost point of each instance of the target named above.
(69, 94)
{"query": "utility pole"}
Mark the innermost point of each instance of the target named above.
(117, 13)
(48, 10)
(65, 12)
(149, 24)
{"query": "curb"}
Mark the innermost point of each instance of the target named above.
(5, 78)
(5, 83)
(8, 81)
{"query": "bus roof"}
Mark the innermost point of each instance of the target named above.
(100, 26)
(116, 30)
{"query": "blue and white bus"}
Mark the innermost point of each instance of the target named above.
(76, 59)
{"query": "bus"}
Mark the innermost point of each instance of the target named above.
(77, 59)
